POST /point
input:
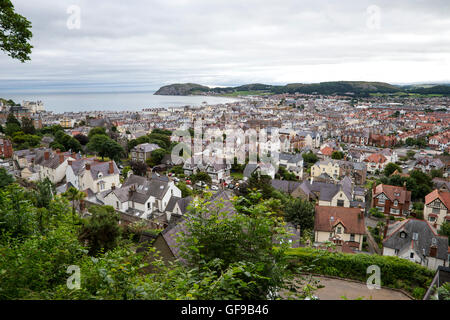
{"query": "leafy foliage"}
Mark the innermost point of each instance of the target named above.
(15, 32)
(101, 230)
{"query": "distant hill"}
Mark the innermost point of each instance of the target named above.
(351, 88)
(180, 89)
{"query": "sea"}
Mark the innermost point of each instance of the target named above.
(113, 101)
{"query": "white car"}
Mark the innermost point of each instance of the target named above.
(214, 188)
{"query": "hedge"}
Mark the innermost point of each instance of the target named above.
(395, 272)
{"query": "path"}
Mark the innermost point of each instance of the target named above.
(335, 288)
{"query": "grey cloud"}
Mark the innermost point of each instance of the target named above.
(150, 43)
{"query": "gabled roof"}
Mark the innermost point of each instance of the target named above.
(327, 218)
(390, 191)
(425, 238)
(436, 194)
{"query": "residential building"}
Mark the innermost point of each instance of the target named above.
(142, 152)
(436, 209)
(416, 241)
(342, 226)
(391, 200)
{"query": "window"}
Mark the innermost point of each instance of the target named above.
(117, 205)
(431, 219)
(340, 203)
(396, 251)
(352, 237)
(435, 210)
(396, 194)
(415, 236)
(411, 255)
(339, 230)
(381, 200)
(148, 205)
(403, 235)
(395, 203)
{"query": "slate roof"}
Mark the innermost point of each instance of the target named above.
(425, 237)
(285, 185)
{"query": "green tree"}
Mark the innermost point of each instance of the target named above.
(45, 191)
(444, 230)
(390, 169)
(5, 178)
(156, 157)
(28, 126)
(337, 155)
(250, 246)
(15, 33)
(185, 191)
(300, 212)
(105, 147)
(310, 158)
(201, 176)
(101, 230)
(75, 197)
(96, 131)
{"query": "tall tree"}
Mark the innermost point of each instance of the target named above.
(28, 126)
(15, 32)
(101, 230)
(74, 196)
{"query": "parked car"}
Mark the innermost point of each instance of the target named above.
(188, 182)
(214, 188)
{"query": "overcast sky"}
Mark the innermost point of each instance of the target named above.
(143, 44)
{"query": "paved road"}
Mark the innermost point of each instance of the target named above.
(334, 290)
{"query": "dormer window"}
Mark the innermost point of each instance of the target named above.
(395, 203)
(415, 236)
(403, 234)
(338, 230)
(396, 194)
(100, 175)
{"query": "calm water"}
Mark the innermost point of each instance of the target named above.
(117, 101)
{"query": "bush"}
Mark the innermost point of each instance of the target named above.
(395, 272)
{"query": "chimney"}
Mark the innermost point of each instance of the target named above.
(433, 251)
(113, 187)
(61, 158)
(69, 162)
(88, 166)
(404, 185)
(111, 167)
(361, 213)
(46, 155)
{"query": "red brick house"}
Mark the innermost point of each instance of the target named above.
(391, 200)
(6, 150)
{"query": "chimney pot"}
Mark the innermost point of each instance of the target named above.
(61, 158)
(111, 167)
(46, 155)
(69, 162)
(88, 166)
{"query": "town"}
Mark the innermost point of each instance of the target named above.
(355, 175)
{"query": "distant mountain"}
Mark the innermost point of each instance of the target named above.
(351, 88)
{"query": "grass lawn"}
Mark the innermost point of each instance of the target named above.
(237, 175)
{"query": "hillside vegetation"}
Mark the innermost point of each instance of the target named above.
(351, 88)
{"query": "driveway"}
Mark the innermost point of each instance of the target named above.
(335, 289)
